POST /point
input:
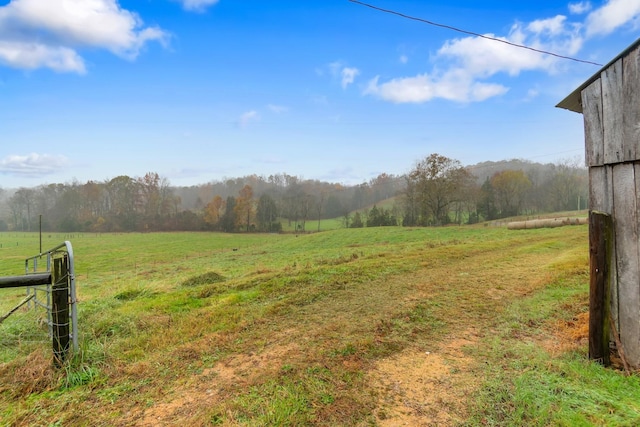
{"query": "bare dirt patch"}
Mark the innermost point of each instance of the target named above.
(568, 335)
(425, 387)
(573, 334)
(189, 403)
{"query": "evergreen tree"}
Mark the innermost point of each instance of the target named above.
(357, 221)
(228, 220)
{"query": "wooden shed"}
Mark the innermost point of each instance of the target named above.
(610, 104)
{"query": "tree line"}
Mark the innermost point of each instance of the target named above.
(438, 190)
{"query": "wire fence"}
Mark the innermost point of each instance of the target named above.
(26, 329)
(48, 313)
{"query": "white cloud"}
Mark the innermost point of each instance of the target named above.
(613, 15)
(580, 7)
(462, 67)
(248, 117)
(532, 94)
(339, 71)
(484, 58)
(33, 55)
(32, 164)
(453, 86)
(404, 59)
(348, 76)
(197, 5)
(36, 33)
(278, 109)
(553, 26)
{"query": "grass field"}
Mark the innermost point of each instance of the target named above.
(352, 327)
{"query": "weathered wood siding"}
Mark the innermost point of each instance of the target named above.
(611, 108)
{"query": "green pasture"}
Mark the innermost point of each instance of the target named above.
(291, 329)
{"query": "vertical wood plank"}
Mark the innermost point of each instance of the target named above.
(613, 266)
(631, 105)
(598, 188)
(600, 245)
(593, 130)
(612, 107)
(628, 265)
(601, 199)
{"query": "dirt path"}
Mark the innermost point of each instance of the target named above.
(430, 386)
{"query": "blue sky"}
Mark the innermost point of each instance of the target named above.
(200, 90)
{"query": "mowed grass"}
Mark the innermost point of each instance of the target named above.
(250, 329)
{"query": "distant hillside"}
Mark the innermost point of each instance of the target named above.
(535, 171)
(150, 203)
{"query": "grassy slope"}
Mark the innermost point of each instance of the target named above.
(285, 330)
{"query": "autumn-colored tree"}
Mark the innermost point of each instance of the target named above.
(152, 198)
(213, 211)
(385, 186)
(123, 199)
(92, 204)
(510, 188)
(244, 207)
(435, 183)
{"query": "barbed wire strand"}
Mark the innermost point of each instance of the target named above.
(471, 33)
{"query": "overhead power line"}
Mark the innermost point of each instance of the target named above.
(471, 33)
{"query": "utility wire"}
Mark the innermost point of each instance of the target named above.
(471, 33)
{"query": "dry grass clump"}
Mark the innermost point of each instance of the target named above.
(34, 374)
(207, 278)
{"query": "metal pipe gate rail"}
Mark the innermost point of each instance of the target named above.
(52, 288)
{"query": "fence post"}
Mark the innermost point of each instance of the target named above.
(60, 310)
(600, 251)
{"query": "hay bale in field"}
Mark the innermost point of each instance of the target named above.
(519, 225)
(546, 223)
